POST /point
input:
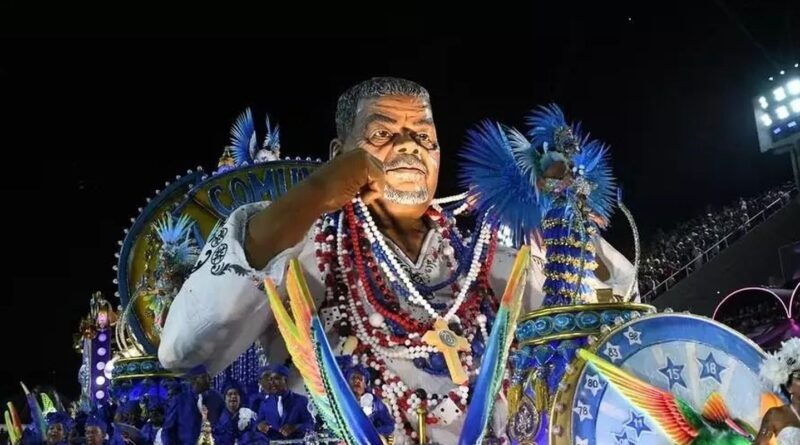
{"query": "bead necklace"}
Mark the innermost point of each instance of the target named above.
(354, 270)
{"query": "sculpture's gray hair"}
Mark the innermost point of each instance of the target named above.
(376, 87)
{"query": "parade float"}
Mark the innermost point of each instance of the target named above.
(586, 368)
(163, 245)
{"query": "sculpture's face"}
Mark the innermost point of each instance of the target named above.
(399, 130)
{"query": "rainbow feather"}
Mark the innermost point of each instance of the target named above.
(38, 423)
(312, 355)
(495, 357)
(13, 424)
(669, 412)
(47, 405)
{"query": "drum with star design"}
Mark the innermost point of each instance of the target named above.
(690, 357)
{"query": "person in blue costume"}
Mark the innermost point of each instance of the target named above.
(183, 419)
(255, 399)
(127, 434)
(59, 427)
(30, 436)
(95, 430)
(358, 377)
(283, 414)
(236, 424)
(126, 420)
(155, 419)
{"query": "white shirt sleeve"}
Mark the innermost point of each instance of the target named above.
(221, 308)
(622, 271)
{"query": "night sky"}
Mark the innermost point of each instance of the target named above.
(94, 123)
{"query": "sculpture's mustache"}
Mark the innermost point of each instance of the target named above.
(405, 160)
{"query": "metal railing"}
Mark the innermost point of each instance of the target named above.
(738, 232)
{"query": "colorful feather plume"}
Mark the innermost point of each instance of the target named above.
(676, 418)
(13, 424)
(312, 355)
(38, 423)
(47, 405)
(495, 357)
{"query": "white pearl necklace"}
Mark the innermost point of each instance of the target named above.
(449, 199)
(461, 209)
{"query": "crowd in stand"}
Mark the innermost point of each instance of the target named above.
(751, 317)
(674, 255)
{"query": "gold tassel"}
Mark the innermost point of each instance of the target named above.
(514, 397)
(541, 395)
(206, 438)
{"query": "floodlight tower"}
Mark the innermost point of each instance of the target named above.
(777, 113)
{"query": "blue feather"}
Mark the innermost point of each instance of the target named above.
(243, 138)
(171, 231)
(272, 140)
(346, 409)
(491, 173)
(527, 157)
(544, 124)
(38, 424)
(176, 237)
(484, 394)
(597, 171)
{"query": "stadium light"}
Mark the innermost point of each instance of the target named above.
(793, 87)
(777, 114)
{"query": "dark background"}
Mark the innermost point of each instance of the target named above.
(97, 114)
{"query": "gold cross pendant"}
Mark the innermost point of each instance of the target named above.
(448, 343)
